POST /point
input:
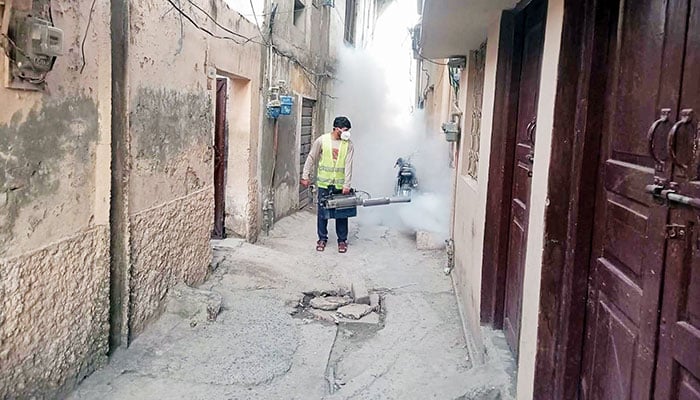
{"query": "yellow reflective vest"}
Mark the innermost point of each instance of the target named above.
(331, 172)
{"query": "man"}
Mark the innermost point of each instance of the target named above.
(334, 153)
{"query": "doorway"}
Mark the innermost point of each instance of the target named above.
(307, 115)
(533, 25)
(220, 159)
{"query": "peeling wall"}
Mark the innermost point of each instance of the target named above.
(53, 316)
(54, 193)
(172, 69)
(48, 172)
(287, 165)
(170, 146)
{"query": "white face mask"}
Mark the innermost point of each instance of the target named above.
(345, 135)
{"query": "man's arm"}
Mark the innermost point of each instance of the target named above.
(311, 159)
(348, 166)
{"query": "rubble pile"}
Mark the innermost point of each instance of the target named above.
(342, 306)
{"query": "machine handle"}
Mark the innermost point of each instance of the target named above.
(665, 112)
(686, 116)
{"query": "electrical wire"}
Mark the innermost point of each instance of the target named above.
(431, 61)
(205, 30)
(50, 13)
(87, 28)
(225, 29)
(257, 24)
(268, 43)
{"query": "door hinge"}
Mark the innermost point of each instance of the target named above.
(675, 231)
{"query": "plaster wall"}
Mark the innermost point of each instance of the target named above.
(172, 96)
(448, 30)
(52, 140)
(470, 197)
(538, 200)
(54, 210)
(54, 304)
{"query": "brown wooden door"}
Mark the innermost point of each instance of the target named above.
(678, 366)
(220, 152)
(628, 250)
(307, 113)
(533, 17)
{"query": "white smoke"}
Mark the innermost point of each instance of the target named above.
(375, 90)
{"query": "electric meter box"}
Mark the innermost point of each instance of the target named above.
(287, 103)
(38, 44)
(451, 130)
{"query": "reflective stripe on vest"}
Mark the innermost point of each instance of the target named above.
(331, 172)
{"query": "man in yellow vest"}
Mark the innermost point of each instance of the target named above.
(334, 153)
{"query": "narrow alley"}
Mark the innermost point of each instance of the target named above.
(259, 347)
(350, 199)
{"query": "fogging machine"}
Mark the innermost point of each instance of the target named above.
(339, 205)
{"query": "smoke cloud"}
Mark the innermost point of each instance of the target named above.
(375, 89)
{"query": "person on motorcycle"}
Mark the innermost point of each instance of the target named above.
(406, 179)
(334, 153)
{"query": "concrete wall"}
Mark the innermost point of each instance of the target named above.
(538, 199)
(470, 194)
(171, 102)
(54, 207)
(59, 231)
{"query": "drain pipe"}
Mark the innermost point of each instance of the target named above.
(450, 250)
(269, 204)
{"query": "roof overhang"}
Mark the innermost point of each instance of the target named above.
(454, 27)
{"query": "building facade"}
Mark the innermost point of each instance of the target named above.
(144, 135)
(574, 200)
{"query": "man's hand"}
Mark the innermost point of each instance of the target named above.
(346, 190)
(305, 183)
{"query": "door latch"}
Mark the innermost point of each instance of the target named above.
(674, 231)
(662, 194)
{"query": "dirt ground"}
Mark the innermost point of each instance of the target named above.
(257, 349)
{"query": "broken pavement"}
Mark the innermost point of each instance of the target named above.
(256, 349)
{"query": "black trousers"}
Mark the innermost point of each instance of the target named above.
(322, 216)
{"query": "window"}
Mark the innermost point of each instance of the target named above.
(299, 13)
(476, 74)
(350, 16)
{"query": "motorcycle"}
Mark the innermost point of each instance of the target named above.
(406, 179)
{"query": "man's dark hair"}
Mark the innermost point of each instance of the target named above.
(341, 122)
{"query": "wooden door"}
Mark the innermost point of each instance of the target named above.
(678, 365)
(628, 250)
(307, 113)
(533, 17)
(220, 153)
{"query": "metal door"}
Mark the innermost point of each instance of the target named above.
(533, 17)
(307, 112)
(220, 153)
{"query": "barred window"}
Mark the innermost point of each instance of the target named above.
(476, 94)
